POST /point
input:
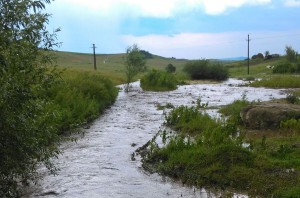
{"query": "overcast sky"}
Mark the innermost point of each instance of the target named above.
(190, 29)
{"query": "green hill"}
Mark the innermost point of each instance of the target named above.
(112, 65)
(109, 65)
(257, 68)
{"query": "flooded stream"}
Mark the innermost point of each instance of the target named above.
(100, 163)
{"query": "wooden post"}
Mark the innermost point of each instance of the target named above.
(94, 51)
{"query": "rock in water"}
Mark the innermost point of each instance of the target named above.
(268, 115)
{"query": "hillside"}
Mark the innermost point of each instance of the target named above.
(112, 65)
(257, 68)
(109, 65)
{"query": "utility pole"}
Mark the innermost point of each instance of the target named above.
(94, 50)
(248, 40)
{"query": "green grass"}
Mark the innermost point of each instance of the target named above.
(257, 68)
(282, 81)
(80, 97)
(110, 65)
(159, 81)
(207, 152)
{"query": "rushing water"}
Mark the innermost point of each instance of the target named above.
(100, 163)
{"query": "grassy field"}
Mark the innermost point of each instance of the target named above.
(112, 65)
(109, 65)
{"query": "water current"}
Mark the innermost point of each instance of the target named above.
(99, 163)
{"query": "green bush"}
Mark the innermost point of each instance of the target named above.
(158, 81)
(203, 69)
(82, 99)
(232, 111)
(170, 68)
(292, 98)
(28, 124)
(189, 120)
(285, 67)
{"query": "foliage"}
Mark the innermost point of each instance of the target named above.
(158, 81)
(203, 69)
(189, 120)
(286, 67)
(290, 65)
(207, 152)
(258, 56)
(292, 98)
(146, 54)
(171, 68)
(291, 54)
(292, 125)
(28, 124)
(232, 111)
(284, 81)
(81, 99)
(134, 64)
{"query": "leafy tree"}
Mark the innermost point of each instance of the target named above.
(291, 54)
(170, 68)
(134, 64)
(146, 54)
(267, 53)
(28, 132)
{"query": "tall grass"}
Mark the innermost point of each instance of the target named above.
(81, 97)
(282, 81)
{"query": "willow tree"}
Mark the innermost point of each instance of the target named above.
(134, 64)
(28, 132)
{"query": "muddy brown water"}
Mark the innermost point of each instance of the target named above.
(100, 163)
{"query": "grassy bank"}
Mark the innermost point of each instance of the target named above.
(209, 152)
(80, 97)
(282, 81)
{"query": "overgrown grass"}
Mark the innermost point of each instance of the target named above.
(208, 152)
(81, 97)
(282, 81)
(159, 81)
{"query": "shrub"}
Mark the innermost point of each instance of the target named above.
(233, 110)
(171, 68)
(292, 98)
(285, 67)
(158, 81)
(82, 99)
(203, 69)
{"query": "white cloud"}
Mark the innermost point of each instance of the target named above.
(214, 45)
(215, 7)
(190, 45)
(292, 3)
(157, 8)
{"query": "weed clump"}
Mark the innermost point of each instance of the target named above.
(159, 81)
